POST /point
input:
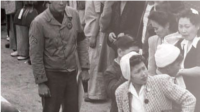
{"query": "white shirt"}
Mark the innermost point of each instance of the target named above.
(92, 15)
(137, 101)
(184, 45)
(145, 21)
(172, 38)
(122, 5)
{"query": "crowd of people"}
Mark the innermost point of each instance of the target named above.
(142, 55)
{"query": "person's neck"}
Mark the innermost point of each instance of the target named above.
(137, 87)
(168, 33)
(118, 59)
(191, 40)
(54, 13)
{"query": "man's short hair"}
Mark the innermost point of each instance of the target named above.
(125, 42)
(136, 59)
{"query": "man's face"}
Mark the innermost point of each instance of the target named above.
(58, 6)
(139, 74)
(174, 68)
(126, 51)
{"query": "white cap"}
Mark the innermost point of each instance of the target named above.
(166, 54)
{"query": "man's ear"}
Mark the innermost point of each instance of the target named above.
(168, 69)
(119, 52)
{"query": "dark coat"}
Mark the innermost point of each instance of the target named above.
(129, 21)
(113, 78)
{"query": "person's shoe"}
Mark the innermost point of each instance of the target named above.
(14, 54)
(85, 95)
(87, 99)
(22, 58)
(7, 45)
(29, 61)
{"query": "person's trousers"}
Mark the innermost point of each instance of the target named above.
(22, 40)
(64, 91)
(12, 33)
(8, 24)
(96, 85)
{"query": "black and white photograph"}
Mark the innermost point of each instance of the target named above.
(100, 56)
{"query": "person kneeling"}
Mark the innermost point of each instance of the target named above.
(145, 93)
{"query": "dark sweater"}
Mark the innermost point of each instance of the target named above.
(113, 78)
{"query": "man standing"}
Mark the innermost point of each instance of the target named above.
(145, 93)
(54, 36)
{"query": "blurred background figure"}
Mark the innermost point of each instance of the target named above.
(125, 19)
(11, 7)
(97, 55)
(23, 30)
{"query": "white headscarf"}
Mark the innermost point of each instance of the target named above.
(125, 65)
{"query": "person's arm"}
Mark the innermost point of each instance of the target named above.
(78, 66)
(82, 48)
(119, 100)
(96, 28)
(194, 71)
(151, 60)
(112, 81)
(111, 27)
(190, 72)
(36, 41)
(105, 18)
(178, 94)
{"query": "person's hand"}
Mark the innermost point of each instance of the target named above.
(112, 37)
(180, 73)
(121, 34)
(78, 75)
(93, 42)
(43, 90)
(85, 75)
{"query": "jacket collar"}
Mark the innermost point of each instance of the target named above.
(50, 18)
(194, 42)
(147, 91)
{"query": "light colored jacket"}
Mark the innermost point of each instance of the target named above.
(53, 45)
(154, 41)
(159, 93)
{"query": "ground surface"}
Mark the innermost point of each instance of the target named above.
(18, 87)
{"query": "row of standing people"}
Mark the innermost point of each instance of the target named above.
(17, 34)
